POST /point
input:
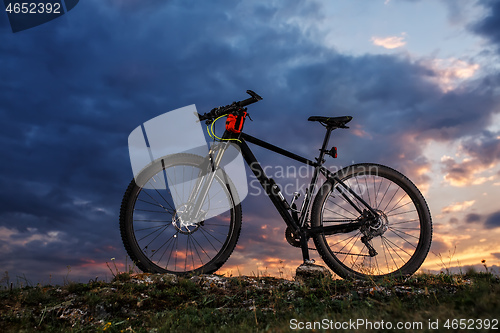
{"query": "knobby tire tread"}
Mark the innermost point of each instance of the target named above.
(126, 201)
(332, 262)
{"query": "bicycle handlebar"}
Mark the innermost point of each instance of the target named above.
(235, 106)
(255, 98)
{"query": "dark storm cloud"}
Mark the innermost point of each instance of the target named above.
(482, 150)
(395, 103)
(486, 148)
(438, 247)
(456, 10)
(489, 26)
(472, 218)
(493, 221)
(72, 91)
(459, 173)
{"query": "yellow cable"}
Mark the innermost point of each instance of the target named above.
(210, 134)
(213, 132)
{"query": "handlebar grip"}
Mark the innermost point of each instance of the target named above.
(248, 101)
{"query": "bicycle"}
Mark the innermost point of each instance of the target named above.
(366, 220)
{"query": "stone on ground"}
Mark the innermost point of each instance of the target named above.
(311, 272)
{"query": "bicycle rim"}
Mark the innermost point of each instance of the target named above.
(157, 236)
(401, 237)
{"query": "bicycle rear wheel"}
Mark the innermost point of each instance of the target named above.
(155, 235)
(401, 236)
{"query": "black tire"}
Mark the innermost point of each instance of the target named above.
(152, 232)
(402, 239)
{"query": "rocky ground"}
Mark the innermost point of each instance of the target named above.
(156, 302)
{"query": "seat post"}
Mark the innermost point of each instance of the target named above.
(325, 143)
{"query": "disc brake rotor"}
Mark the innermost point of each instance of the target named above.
(376, 227)
(182, 224)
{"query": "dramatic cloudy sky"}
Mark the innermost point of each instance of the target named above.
(419, 77)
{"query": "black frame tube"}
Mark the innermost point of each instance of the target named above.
(276, 149)
(259, 173)
(253, 163)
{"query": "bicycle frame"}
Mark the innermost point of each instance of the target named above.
(298, 225)
(182, 213)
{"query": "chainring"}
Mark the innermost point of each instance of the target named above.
(292, 238)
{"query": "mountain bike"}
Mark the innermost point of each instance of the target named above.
(365, 220)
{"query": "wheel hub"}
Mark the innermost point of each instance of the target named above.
(182, 223)
(376, 226)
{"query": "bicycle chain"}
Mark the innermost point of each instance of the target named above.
(351, 221)
(349, 254)
(342, 252)
(353, 254)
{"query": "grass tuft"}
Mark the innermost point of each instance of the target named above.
(161, 303)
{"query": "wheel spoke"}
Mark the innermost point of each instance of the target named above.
(368, 192)
(414, 220)
(164, 228)
(156, 190)
(385, 209)
(157, 204)
(205, 233)
(378, 191)
(155, 227)
(394, 230)
(172, 242)
(387, 189)
(414, 246)
(399, 247)
(342, 208)
(338, 213)
(387, 245)
(398, 206)
(410, 211)
(393, 208)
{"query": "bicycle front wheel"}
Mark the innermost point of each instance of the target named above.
(401, 235)
(157, 237)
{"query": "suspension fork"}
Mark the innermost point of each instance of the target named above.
(205, 178)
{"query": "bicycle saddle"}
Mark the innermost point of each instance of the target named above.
(332, 121)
